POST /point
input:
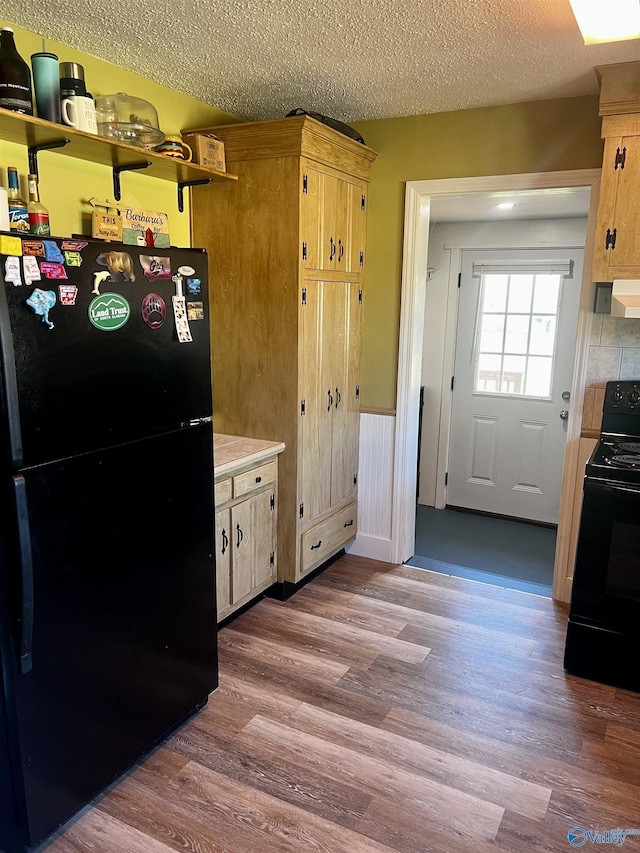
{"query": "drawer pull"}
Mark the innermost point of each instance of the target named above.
(240, 535)
(225, 541)
(313, 547)
(258, 479)
(330, 403)
(348, 523)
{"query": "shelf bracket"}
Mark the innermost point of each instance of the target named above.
(117, 170)
(34, 150)
(184, 184)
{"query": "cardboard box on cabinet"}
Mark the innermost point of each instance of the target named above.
(207, 149)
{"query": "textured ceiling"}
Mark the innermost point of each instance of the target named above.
(350, 59)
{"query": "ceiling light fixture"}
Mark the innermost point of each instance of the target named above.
(506, 205)
(607, 20)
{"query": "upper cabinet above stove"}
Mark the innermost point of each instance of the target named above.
(617, 240)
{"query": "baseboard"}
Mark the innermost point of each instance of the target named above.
(374, 547)
(282, 590)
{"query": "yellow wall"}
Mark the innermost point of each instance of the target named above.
(537, 136)
(66, 183)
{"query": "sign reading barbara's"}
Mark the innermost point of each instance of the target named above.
(109, 311)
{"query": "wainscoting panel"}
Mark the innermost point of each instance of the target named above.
(375, 486)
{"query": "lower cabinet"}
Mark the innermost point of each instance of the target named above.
(245, 536)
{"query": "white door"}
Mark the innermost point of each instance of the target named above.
(515, 346)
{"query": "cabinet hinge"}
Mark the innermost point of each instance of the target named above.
(357, 392)
(272, 558)
(453, 379)
(361, 259)
(459, 279)
(272, 502)
(304, 251)
(610, 239)
(303, 407)
(360, 296)
(301, 510)
(355, 479)
(621, 156)
(305, 184)
(362, 202)
(304, 295)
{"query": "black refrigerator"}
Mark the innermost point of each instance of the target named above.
(107, 574)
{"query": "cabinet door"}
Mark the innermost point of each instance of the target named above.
(264, 559)
(617, 238)
(358, 224)
(223, 561)
(242, 550)
(335, 331)
(316, 406)
(310, 216)
(335, 223)
(346, 416)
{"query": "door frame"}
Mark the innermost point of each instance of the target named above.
(414, 276)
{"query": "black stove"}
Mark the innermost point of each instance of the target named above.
(604, 615)
(617, 455)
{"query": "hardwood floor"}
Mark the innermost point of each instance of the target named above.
(384, 708)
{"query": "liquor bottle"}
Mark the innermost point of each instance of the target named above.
(15, 76)
(18, 213)
(38, 213)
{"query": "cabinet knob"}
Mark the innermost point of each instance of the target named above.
(258, 479)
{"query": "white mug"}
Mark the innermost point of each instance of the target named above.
(80, 112)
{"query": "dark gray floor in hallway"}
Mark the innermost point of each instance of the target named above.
(494, 550)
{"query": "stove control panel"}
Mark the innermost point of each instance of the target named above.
(622, 397)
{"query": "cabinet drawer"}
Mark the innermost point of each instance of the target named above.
(256, 478)
(222, 491)
(329, 536)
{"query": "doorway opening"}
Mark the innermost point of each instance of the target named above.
(551, 219)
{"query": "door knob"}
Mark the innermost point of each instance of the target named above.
(564, 414)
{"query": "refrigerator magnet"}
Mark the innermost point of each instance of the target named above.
(73, 245)
(155, 267)
(42, 301)
(68, 293)
(72, 259)
(10, 245)
(154, 310)
(12, 271)
(109, 311)
(98, 278)
(194, 286)
(180, 312)
(195, 311)
(185, 270)
(50, 270)
(52, 252)
(31, 269)
(33, 247)
(119, 264)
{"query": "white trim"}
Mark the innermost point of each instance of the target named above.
(414, 273)
(374, 547)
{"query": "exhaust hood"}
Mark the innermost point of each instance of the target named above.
(625, 298)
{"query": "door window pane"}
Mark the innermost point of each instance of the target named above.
(517, 339)
(517, 334)
(492, 333)
(520, 289)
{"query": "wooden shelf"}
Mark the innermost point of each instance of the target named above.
(29, 131)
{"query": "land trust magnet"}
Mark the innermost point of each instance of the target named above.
(109, 311)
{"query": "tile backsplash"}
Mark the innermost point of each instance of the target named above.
(614, 353)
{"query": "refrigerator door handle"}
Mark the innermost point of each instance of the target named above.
(10, 382)
(26, 575)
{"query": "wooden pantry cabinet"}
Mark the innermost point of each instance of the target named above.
(287, 256)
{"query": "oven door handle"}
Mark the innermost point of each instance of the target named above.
(606, 487)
